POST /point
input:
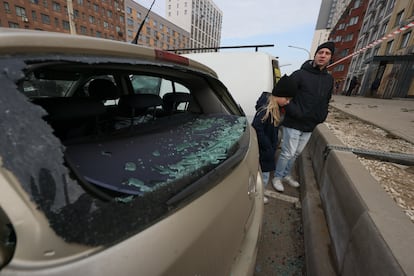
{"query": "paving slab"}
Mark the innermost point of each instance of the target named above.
(393, 115)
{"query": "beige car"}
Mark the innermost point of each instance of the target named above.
(118, 159)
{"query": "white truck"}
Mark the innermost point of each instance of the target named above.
(245, 74)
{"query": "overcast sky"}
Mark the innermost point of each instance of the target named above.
(278, 22)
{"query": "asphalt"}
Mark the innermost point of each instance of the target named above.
(393, 115)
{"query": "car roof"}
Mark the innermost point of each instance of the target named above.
(22, 41)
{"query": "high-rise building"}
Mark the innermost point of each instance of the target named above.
(345, 36)
(385, 50)
(98, 18)
(156, 32)
(329, 14)
(201, 18)
(383, 57)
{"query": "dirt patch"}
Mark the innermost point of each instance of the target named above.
(397, 180)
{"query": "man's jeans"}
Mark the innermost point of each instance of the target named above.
(294, 141)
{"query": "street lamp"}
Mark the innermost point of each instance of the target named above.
(309, 54)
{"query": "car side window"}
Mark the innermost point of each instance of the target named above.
(46, 85)
(142, 84)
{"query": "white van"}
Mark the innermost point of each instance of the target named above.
(246, 74)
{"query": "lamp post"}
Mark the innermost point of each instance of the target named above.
(307, 51)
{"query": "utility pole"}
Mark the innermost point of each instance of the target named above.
(72, 25)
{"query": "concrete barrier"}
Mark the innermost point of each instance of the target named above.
(368, 233)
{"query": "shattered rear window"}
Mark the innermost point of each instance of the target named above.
(138, 169)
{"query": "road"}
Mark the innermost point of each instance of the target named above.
(281, 248)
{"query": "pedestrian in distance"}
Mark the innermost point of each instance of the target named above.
(307, 109)
(266, 123)
(352, 86)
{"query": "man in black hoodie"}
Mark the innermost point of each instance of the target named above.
(307, 109)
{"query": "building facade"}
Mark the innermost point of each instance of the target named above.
(385, 51)
(103, 19)
(329, 14)
(345, 35)
(201, 18)
(157, 32)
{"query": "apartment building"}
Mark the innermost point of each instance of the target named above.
(157, 31)
(329, 14)
(201, 18)
(345, 35)
(385, 50)
(103, 18)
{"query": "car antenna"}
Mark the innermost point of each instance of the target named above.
(135, 40)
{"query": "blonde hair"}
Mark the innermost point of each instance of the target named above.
(272, 110)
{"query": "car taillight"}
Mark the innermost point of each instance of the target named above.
(167, 56)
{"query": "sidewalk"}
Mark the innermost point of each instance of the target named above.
(393, 115)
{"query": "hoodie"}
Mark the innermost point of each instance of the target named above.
(310, 105)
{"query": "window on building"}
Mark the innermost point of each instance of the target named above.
(398, 18)
(45, 4)
(96, 8)
(344, 53)
(106, 25)
(56, 6)
(388, 48)
(109, 13)
(375, 51)
(391, 4)
(353, 21)
(83, 30)
(6, 7)
(384, 29)
(130, 22)
(80, 2)
(13, 25)
(45, 18)
(405, 39)
(348, 37)
(34, 16)
(36, 2)
(56, 22)
(357, 4)
(20, 11)
(98, 34)
(339, 68)
(65, 25)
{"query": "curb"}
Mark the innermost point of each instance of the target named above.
(368, 232)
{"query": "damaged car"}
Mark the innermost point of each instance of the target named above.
(118, 159)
